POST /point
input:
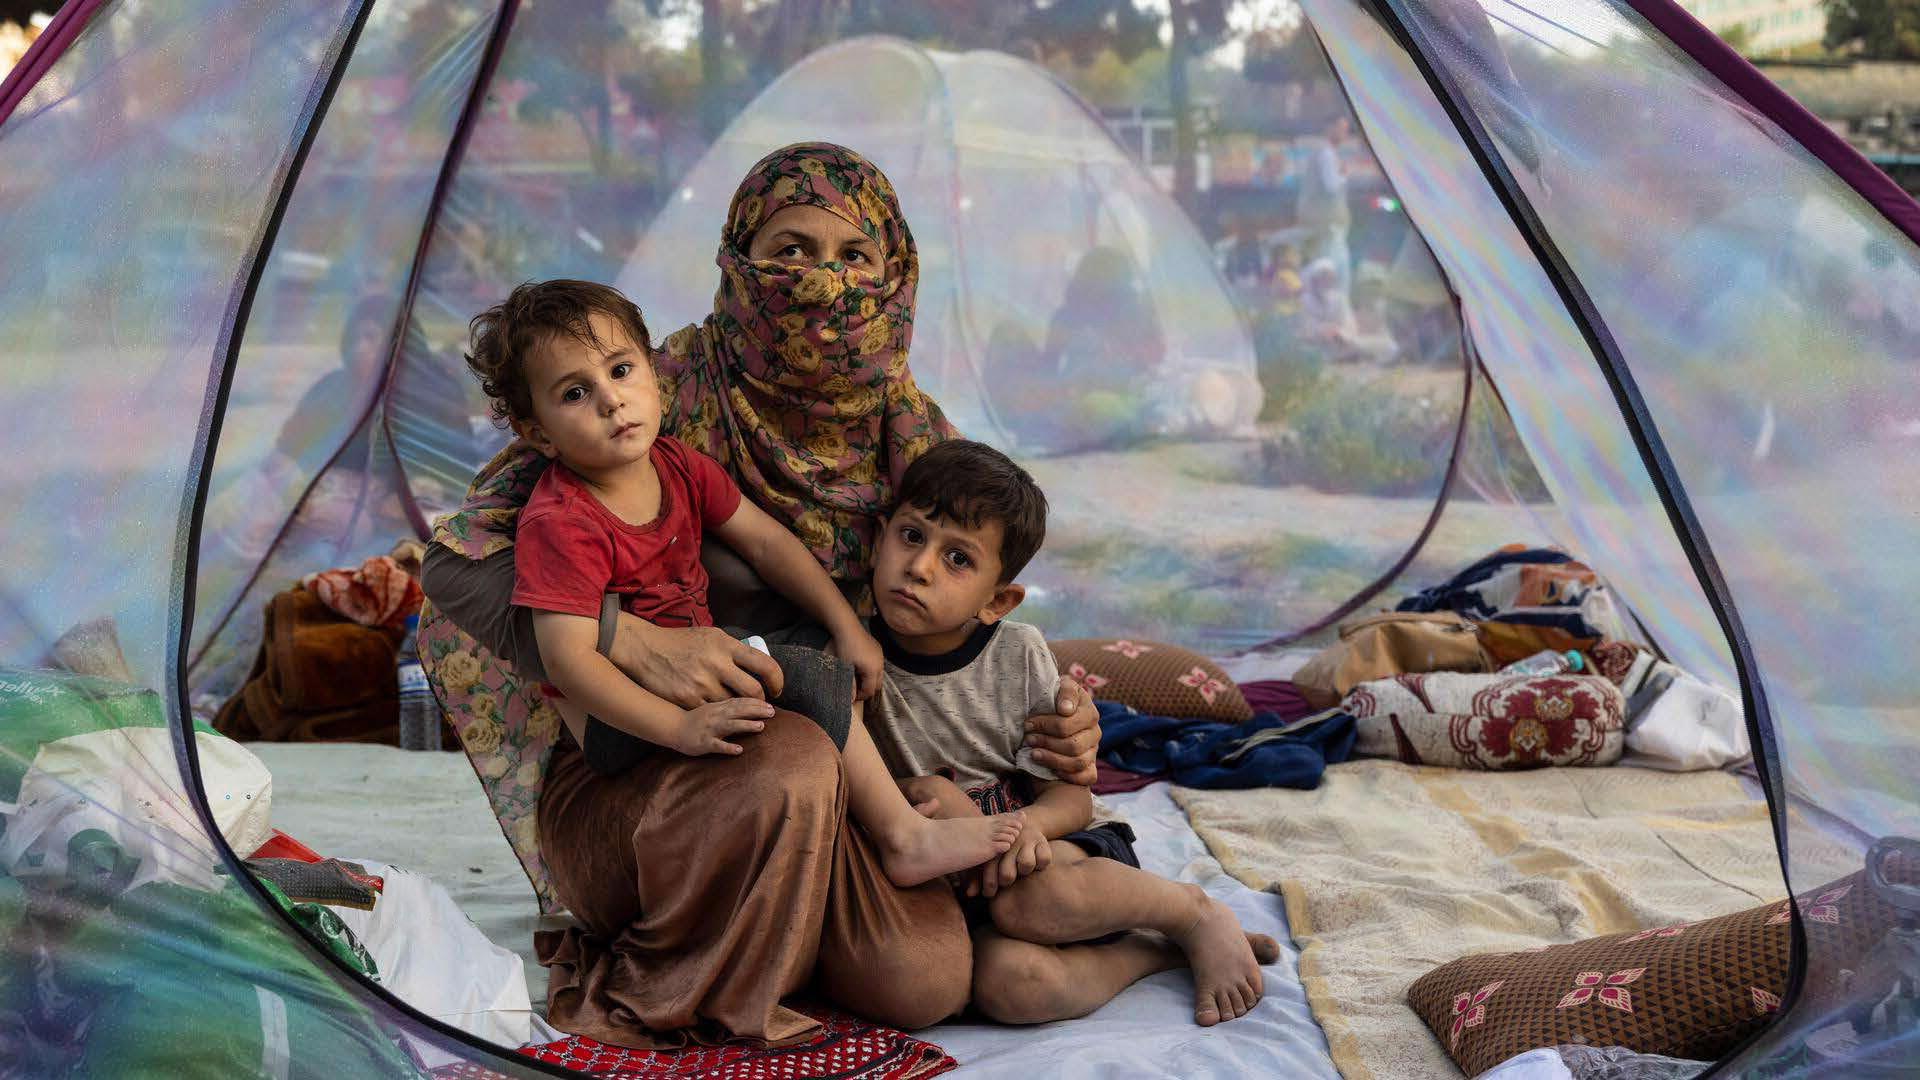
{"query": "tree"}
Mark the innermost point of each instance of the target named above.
(1196, 24)
(1876, 29)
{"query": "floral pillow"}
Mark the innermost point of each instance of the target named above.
(1469, 721)
(1689, 991)
(1153, 678)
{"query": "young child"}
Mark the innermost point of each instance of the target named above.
(960, 678)
(622, 510)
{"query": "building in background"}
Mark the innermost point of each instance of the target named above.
(1763, 26)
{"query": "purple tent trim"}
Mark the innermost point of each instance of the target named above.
(46, 49)
(1732, 69)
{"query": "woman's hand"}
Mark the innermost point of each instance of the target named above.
(857, 647)
(705, 730)
(692, 666)
(1067, 740)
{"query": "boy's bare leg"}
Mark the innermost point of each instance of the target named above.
(1019, 982)
(914, 848)
(938, 797)
(1079, 897)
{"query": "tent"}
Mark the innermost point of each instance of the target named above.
(996, 294)
(242, 242)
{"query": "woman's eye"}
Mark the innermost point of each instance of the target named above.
(791, 251)
(857, 256)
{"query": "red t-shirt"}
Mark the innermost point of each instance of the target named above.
(569, 549)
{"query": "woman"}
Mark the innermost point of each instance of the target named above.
(709, 889)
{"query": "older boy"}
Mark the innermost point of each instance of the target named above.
(1052, 941)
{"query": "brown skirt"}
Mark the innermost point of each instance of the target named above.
(708, 889)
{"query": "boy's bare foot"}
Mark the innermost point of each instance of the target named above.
(936, 847)
(1225, 959)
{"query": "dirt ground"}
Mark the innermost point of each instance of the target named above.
(1179, 541)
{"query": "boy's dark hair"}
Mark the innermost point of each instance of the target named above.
(972, 483)
(505, 333)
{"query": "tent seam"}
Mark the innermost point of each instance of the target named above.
(68, 24)
(1736, 74)
(319, 100)
(1647, 441)
(443, 186)
(397, 338)
(1469, 358)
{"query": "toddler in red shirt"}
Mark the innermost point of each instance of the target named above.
(623, 509)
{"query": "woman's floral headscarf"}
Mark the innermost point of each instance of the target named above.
(797, 382)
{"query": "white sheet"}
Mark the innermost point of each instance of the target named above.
(426, 812)
(1149, 1030)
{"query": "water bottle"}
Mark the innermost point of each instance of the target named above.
(419, 713)
(1547, 662)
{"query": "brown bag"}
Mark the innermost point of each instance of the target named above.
(319, 677)
(1393, 643)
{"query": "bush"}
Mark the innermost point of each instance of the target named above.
(1350, 438)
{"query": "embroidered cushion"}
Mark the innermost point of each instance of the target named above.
(1689, 991)
(1490, 721)
(1153, 678)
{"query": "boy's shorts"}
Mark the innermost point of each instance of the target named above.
(1106, 840)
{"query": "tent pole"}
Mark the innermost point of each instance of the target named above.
(186, 547)
(1740, 76)
(46, 50)
(1470, 359)
(1395, 16)
(449, 168)
(449, 165)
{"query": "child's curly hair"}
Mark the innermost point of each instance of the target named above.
(504, 334)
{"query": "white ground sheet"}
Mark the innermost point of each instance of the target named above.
(426, 812)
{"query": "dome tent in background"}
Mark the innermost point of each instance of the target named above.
(243, 242)
(1124, 329)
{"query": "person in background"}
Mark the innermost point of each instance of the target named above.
(1321, 208)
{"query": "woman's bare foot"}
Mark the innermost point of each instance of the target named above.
(926, 848)
(1225, 959)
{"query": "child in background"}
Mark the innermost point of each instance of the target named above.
(1050, 939)
(622, 510)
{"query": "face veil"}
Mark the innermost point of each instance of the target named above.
(798, 381)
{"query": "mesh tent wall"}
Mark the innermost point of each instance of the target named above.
(242, 245)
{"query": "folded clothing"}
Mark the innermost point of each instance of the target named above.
(379, 592)
(329, 881)
(1675, 721)
(1265, 751)
(319, 677)
(1535, 586)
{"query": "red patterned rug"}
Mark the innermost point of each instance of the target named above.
(846, 1049)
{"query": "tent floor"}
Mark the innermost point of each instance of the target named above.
(426, 812)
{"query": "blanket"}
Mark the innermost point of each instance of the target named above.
(319, 677)
(846, 1048)
(1388, 870)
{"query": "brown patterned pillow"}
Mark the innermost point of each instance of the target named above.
(1689, 991)
(1157, 679)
